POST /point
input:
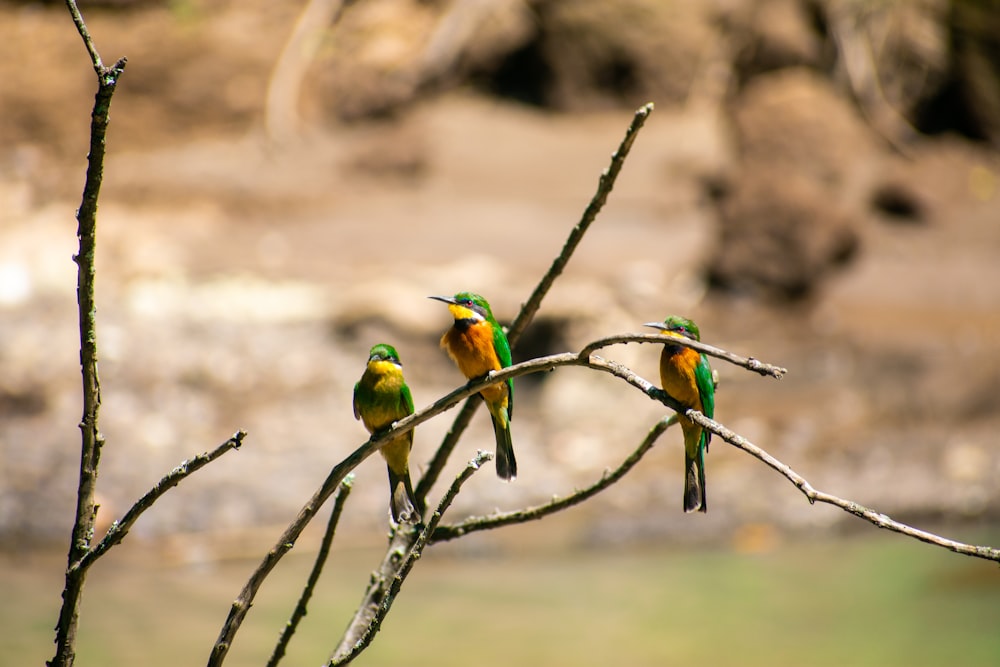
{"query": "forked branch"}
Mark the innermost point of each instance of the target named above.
(475, 524)
(351, 648)
(605, 184)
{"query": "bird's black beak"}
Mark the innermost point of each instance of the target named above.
(656, 325)
(446, 299)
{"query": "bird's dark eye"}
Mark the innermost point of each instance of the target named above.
(466, 302)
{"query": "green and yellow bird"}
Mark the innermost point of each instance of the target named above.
(687, 378)
(381, 397)
(477, 344)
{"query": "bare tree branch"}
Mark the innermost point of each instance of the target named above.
(748, 363)
(81, 28)
(623, 372)
(813, 495)
(92, 440)
(475, 524)
(349, 649)
(605, 184)
(119, 529)
(738, 441)
(324, 551)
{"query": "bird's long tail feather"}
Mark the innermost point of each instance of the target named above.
(694, 478)
(402, 504)
(506, 463)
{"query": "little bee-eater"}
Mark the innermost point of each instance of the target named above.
(381, 397)
(478, 345)
(687, 378)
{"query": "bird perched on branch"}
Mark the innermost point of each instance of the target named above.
(687, 378)
(478, 345)
(381, 398)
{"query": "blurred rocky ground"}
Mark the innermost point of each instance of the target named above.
(818, 188)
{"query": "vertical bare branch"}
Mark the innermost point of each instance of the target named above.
(91, 438)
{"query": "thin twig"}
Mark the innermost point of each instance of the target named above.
(475, 524)
(605, 184)
(748, 363)
(411, 557)
(324, 552)
(813, 495)
(119, 529)
(81, 28)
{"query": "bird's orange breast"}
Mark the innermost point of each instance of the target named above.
(677, 373)
(472, 350)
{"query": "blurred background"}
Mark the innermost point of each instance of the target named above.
(285, 184)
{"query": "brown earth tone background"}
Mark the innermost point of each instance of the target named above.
(818, 188)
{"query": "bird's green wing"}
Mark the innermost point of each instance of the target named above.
(357, 411)
(407, 397)
(706, 389)
(502, 348)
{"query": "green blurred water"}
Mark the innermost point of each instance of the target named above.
(881, 600)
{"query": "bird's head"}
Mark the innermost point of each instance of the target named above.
(384, 354)
(676, 325)
(467, 306)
